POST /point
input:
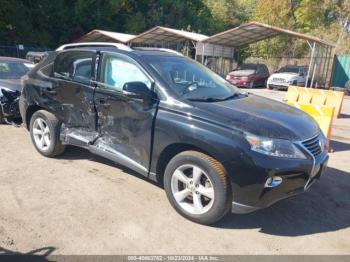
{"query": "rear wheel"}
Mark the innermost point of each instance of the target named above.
(44, 131)
(197, 187)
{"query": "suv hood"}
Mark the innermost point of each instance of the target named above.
(261, 116)
(286, 76)
(246, 72)
(11, 84)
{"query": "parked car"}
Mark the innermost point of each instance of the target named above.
(36, 57)
(213, 147)
(347, 88)
(286, 76)
(249, 75)
(11, 71)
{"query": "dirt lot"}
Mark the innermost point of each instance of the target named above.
(83, 204)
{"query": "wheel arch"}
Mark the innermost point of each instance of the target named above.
(172, 150)
(30, 112)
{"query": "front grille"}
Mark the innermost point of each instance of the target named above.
(278, 80)
(313, 146)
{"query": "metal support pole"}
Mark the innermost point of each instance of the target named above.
(222, 61)
(316, 63)
(214, 58)
(195, 51)
(324, 64)
(203, 49)
(311, 61)
(313, 75)
(187, 48)
(329, 57)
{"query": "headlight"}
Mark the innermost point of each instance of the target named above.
(3, 88)
(274, 147)
(290, 81)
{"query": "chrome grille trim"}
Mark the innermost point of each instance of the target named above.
(312, 145)
(280, 80)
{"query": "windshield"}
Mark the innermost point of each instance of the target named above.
(247, 67)
(13, 70)
(289, 70)
(192, 80)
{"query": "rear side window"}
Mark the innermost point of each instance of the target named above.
(76, 66)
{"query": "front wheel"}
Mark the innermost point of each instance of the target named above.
(197, 187)
(44, 131)
(2, 120)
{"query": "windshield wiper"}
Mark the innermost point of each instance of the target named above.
(205, 99)
(213, 99)
(234, 95)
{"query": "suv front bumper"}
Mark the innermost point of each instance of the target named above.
(295, 180)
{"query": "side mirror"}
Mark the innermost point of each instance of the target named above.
(138, 90)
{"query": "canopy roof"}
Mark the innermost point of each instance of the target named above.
(160, 34)
(105, 36)
(253, 32)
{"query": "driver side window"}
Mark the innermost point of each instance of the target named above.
(116, 71)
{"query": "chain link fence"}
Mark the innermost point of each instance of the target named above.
(19, 51)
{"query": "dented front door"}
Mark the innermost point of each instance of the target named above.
(124, 123)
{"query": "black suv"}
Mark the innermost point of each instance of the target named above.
(213, 147)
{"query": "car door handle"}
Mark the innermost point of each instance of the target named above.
(50, 91)
(102, 102)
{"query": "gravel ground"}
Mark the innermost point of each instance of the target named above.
(83, 204)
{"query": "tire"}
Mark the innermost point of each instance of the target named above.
(184, 191)
(47, 143)
(2, 120)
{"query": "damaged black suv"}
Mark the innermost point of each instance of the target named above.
(213, 147)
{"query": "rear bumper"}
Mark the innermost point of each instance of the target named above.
(295, 180)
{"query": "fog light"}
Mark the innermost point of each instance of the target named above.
(273, 181)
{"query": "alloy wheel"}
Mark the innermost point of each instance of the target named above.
(41, 133)
(192, 189)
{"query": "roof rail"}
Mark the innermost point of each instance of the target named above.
(157, 49)
(94, 44)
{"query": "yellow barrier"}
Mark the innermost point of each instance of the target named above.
(304, 97)
(335, 99)
(292, 94)
(316, 97)
(323, 115)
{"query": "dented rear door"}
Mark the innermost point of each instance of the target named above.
(73, 71)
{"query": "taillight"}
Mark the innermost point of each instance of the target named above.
(252, 76)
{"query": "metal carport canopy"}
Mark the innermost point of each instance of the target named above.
(253, 32)
(161, 34)
(105, 36)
